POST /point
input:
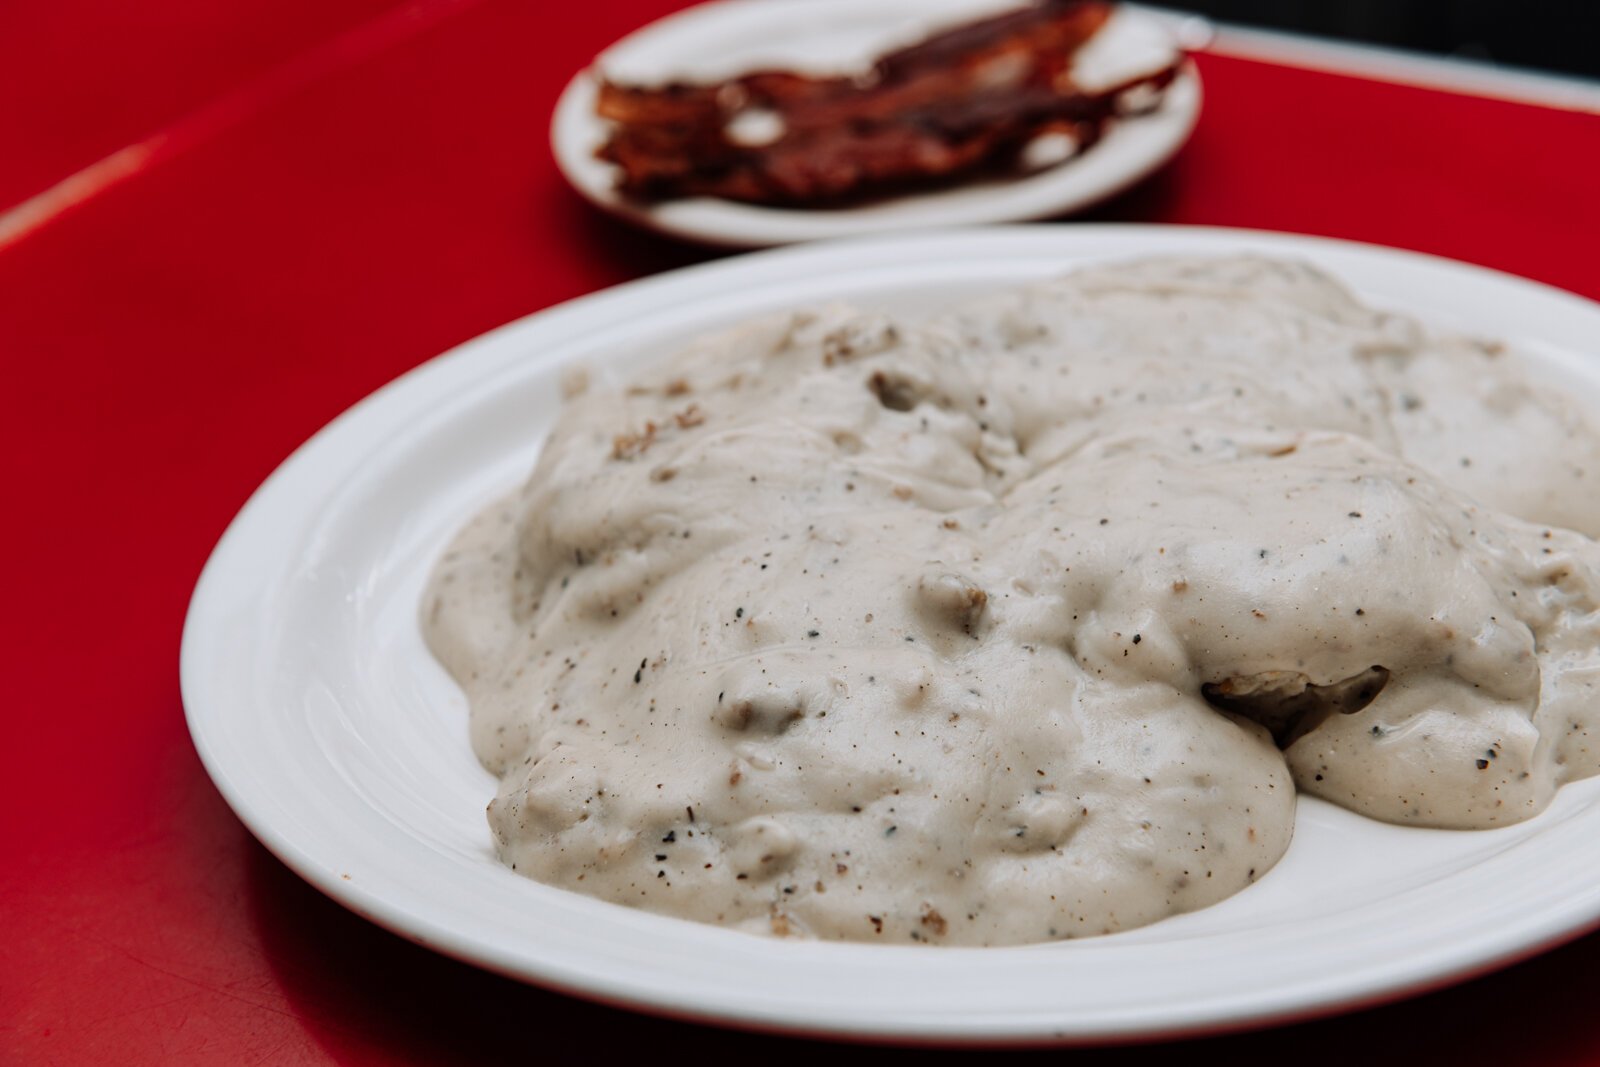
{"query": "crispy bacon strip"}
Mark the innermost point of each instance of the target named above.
(972, 97)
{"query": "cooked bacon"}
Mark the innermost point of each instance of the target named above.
(971, 97)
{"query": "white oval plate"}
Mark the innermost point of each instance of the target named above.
(723, 38)
(343, 746)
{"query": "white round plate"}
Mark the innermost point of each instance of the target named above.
(343, 746)
(721, 39)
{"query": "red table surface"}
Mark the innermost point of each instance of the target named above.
(328, 194)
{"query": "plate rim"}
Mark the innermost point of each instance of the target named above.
(1484, 955)
(763, 226)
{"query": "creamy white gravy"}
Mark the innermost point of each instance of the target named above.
(1028, 622)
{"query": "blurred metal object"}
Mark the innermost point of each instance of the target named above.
(1550, 35)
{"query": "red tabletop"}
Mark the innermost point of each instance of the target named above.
(221, 224)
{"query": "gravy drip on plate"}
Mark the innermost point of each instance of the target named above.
(1027, 622)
